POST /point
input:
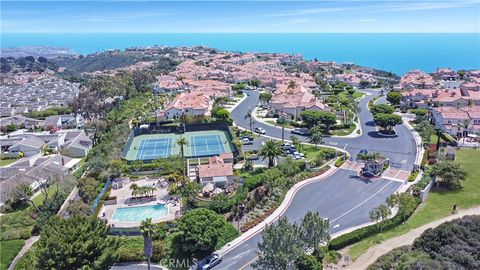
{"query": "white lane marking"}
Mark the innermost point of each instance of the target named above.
(333, 143)
(336, 226)
(404, 161)
(345, 146)
(360, 204)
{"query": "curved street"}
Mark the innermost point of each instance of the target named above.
(344, 198)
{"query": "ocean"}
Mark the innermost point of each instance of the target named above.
(397, 53)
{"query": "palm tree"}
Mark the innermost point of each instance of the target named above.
(134, 189)
(147, 229)
(271, 150)
(281, 121)
(250, 118)
(238, 144)
(182, 142)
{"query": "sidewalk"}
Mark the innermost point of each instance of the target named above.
(28, 244)
(375, 252)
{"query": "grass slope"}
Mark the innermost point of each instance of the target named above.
(8, 251)
(437, 205)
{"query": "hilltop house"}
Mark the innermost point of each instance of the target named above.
(191, 103)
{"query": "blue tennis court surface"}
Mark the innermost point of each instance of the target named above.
(153, 148)
(207, 145)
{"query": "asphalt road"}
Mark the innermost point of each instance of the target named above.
(343, 197)
(400, 149)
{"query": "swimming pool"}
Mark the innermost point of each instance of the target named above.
(140, 213)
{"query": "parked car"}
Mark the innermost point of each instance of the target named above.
(287, 146)
(247, 137)
(209, 262)
(301, 131)
(246, 141)
(260, 130)
(368, 174)
(363, 152)
(297, 156)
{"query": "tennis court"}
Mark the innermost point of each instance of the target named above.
(206, 145)
(199, 144)
(152, 148)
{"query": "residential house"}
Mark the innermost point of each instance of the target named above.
(446, 74)
(294, 100)
(29, 146)
(77, 144)
(457, 122)
(191, 103)
(417, 79)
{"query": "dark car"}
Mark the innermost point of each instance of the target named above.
(363, 152)
(209, 262)
(368, 174)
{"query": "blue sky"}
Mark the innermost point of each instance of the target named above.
(241, 16)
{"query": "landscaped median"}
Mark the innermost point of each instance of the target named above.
(438, 205)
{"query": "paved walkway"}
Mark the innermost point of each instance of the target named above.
(28, 244)
(375, 252)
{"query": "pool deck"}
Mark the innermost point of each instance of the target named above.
(124, 196)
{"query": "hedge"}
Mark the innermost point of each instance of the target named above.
(362, 233)
(339, 162)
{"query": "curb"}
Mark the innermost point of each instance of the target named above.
(277, 213)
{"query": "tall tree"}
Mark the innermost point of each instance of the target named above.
(379, 213)
(282, 244)
(316, 135)
(315, 230)
(199, 232)
(265, 97)
(75, 243)
(271, 150)
(147, 230)
(394, 97)
(382, 108)
(387, 121)
(251, 123)
(182, 142)
(449, 174)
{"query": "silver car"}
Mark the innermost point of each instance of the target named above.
(209, 262)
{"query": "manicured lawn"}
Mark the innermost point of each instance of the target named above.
(356, 95)
(273, 122)
(437, 205)
(4, 162)
(8, 251)
(343, 132)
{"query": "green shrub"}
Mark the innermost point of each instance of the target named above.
(339, 162)
(333, 256)
(130, 249)
(359, 234)
(412, 176)
(308, 262)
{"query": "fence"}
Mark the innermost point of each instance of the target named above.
(424, 192)
(99, 196)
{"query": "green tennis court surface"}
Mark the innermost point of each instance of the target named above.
(200, 144)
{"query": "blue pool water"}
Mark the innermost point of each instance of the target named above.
(139, 213)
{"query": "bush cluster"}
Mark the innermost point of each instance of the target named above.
(357, 235)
